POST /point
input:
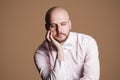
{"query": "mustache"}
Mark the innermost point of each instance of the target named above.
(60, 34)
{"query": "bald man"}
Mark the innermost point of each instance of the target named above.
(66, 55)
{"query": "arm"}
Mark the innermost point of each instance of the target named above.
(57, 72)
(48, 72)
(56, 44)
(91, 65)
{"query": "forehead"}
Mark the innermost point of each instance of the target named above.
(59, 15)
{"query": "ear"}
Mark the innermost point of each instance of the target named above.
(70, 24)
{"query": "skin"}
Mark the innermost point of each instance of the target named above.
(60, 26)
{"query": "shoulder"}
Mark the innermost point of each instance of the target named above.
(84, 38)
(42, 48)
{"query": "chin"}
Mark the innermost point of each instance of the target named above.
(61, 40)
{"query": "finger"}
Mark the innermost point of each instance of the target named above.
(48, 36)
(51, 37)
(54, 42)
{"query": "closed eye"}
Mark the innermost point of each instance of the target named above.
(53, 25)
(63, 23)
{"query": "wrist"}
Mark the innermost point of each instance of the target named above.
(59, 49)
(60, 55)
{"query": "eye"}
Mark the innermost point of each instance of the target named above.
(63, 23)
(53, 25)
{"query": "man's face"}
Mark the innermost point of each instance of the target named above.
(60, 25)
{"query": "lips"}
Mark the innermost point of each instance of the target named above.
(60, 35)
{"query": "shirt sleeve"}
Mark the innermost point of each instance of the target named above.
(48, 72)
(91, 66)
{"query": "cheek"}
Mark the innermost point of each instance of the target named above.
(53, 32)
(52, 29)
(66, 29)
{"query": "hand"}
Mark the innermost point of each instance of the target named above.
(53, 41)
(57, 45)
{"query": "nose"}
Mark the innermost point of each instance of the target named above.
(59, 28)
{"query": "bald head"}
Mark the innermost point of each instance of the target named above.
(52, 12)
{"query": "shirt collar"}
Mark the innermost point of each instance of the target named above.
(68, 42)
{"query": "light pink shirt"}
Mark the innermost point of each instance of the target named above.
(81, 59)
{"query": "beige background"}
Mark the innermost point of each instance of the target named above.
(22, 30)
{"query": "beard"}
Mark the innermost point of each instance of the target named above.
(61, 37)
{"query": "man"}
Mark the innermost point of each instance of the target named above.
(66, 55)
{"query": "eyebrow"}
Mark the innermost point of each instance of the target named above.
(60, 22)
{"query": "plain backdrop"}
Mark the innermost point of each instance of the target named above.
(22, 30)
